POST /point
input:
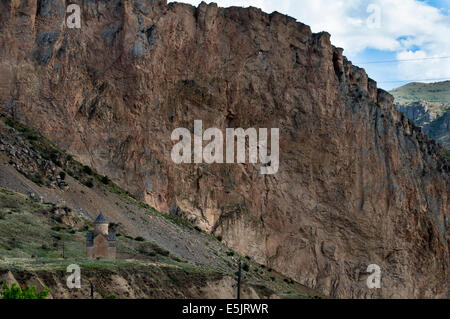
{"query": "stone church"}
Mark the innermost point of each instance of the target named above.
(101, 243)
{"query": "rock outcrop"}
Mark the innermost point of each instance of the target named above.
(358, 183)
(435, 125)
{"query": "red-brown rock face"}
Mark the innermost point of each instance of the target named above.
(357, 184)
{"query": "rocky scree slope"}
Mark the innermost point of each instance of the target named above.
(358, 183)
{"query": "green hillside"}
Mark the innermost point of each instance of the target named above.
(428, 105)
(438, 92)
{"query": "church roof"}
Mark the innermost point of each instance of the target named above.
(100, 219)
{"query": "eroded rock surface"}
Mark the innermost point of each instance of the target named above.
(358, 183)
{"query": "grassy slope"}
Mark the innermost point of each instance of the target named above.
(438, 93)
(31, 240)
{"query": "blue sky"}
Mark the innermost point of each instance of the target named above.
(413, 33)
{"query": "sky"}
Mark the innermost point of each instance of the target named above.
(395, 41)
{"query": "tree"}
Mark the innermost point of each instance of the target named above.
(15, 292)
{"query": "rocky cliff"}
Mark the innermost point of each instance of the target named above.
(358, 183)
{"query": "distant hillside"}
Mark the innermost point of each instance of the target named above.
(438, 92)
(428, 105)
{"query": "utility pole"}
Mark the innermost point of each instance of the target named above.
(92, 289)
(239, 281)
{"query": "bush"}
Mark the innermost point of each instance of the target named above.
(161, 251)
(87, 170)
(89, 183)
(32, 137)
(245, 267)
(139, 238)
(15, 292)
(112, 296)
(230, 253)
(57, 219)
(9, 123)
(105, 180)
(62, 175)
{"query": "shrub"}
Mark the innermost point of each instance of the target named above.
(32, 137)
(57, 219)
(37, 179)
(112, 296)
(89, 183)
(87, 170)
(9, 123)
(62, 175)
(161, 251)
(230, 253)
(105, 180)
(15, 292)
(219, 238)
(139, 238)
(245, 267)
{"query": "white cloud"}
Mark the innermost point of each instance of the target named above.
(411, 29)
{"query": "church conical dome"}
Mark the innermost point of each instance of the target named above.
(100, 219)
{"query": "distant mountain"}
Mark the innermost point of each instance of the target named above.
(428, 105)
